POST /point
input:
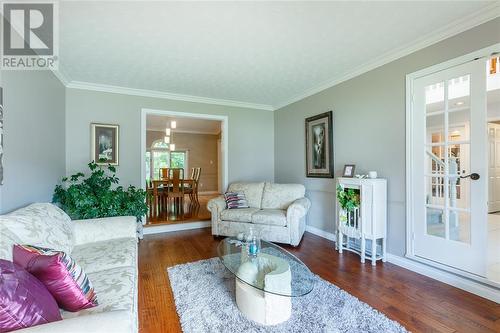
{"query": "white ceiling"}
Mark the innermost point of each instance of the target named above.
(184, 125)
(266, 53)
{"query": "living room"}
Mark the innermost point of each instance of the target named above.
(317, 102)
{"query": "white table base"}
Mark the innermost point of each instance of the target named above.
(262, 307)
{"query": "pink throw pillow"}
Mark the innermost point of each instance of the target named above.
(60, 274)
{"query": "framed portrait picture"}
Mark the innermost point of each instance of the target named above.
(319, 145)
(104, 143)
(348, 170)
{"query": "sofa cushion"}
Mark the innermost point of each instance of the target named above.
(280, 196)
(43, 225)
(104, 255)
(60, 273)
(253, 192)
(116, 289)
(238, 215)
(270, 217)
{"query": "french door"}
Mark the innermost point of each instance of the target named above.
(449, 167)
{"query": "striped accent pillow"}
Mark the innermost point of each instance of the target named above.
(61, 275)
(236, 200)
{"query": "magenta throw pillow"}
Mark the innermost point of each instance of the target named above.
(24, 301)
(60, 274)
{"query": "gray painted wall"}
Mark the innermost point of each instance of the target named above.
(369, 129)
(34, 142)
(250, 137)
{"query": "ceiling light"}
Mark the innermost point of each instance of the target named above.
(173, 124)
(167, 131)
(459, 103)
(166, 139)
(172, 146)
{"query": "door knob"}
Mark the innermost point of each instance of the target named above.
(473, 176)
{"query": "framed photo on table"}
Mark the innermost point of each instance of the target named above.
(319, 145)
(104, 143)
(349, 170)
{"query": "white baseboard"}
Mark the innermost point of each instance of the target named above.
(158, 229)
(463, 283)
(321, 233)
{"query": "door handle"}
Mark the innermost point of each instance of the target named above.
(473, 176)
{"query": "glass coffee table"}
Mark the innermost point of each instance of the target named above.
(266, 283)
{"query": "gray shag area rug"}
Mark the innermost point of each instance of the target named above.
(205, 301)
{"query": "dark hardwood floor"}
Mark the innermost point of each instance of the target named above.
(419, 303)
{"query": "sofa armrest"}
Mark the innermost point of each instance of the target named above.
(217, 205)
(113, 321)
(298, 209)
(94, 230)
(296, 219)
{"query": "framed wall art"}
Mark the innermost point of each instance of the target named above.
(319, 145)
(104, 143)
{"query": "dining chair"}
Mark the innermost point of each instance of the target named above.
(192, 188)
(164, 173)
(175, 190)
(150, 200)
(196, 182)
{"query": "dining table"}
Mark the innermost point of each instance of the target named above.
(156, 183)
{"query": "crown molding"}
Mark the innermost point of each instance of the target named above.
(61, 76)
(164, 95)
(465, 23)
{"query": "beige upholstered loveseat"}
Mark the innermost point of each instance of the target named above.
(105, 248)
(277, 212)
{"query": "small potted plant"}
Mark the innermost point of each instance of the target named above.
(348, 200)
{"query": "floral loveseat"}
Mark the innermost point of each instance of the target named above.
(277, 212)
(105, 248)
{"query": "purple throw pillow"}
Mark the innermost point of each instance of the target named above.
(60, 274)
(24, 301)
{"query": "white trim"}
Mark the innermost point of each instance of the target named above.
(468, 285)
(165, 95)
(158, 229)
(470, 21)
(61, 76)
(320, 233)
(224, 137)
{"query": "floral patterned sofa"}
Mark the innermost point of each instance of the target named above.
(105, 248)
(277, 212)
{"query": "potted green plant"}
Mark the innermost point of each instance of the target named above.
(99, 195)
(348, 200)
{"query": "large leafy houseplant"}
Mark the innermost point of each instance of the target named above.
(99, 195)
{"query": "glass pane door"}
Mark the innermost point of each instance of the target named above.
(448, 135)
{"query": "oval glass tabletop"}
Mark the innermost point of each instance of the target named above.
(273, 270)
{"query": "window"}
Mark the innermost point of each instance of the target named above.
(159, 156)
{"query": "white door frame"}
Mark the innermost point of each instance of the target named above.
(224, 137)
(482, 53)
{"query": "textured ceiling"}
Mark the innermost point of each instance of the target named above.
(254, 52)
